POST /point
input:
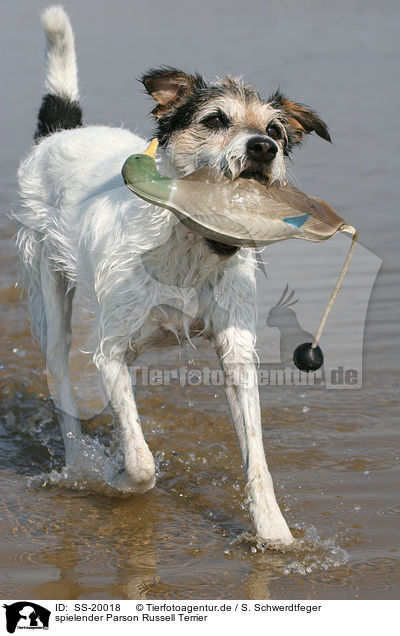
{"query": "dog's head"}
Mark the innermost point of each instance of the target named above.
(226, 125)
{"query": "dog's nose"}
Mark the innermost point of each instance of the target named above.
(261, 149)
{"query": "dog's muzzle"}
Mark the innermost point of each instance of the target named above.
(260, 152)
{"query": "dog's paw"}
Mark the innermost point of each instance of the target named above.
(139, 474)
(273, 529)
(269, 522)
(127, 483)
(276, 533)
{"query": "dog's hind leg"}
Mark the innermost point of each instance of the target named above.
(234, 344)
(56, 342)
(50, 306)
(139, 473)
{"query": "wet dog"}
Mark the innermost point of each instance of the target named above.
(144, 276)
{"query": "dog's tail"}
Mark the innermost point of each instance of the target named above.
(60, 107)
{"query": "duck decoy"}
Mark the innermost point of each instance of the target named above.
(245, 213)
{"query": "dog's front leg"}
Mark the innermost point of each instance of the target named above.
(139, 473)
(235, 346)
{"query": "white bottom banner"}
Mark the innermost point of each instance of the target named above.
(148, 617)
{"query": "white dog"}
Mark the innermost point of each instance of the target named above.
(135, 264)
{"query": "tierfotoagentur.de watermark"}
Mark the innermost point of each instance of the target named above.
(240, 375)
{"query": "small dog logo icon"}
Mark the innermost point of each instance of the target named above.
(26, 615)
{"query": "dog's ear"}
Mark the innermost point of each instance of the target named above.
(169, 87)
(300, 119)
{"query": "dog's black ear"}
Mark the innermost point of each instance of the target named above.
(300, 119)
(169, 87)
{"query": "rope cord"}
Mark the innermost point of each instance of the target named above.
(352, 230)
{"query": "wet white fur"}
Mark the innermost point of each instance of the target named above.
(143, 275)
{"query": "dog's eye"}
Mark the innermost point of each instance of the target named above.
(216, 121)
(274, 131)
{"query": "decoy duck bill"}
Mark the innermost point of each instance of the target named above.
(151, 150)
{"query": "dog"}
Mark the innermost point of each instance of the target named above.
(82, 229)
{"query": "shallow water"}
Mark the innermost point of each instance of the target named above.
(334, 454)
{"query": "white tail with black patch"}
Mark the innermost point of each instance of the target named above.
(60, 107)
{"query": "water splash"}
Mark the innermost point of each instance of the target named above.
(308, 553)
(91, 469)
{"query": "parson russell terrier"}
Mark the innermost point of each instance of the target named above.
(82, 229)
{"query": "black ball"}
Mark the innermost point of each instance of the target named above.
(308, 359)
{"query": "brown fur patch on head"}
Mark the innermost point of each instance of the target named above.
(299, 119)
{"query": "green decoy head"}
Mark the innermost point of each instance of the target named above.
(141, 167)
(141, 176)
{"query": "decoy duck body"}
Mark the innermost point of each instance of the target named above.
(238, 213)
